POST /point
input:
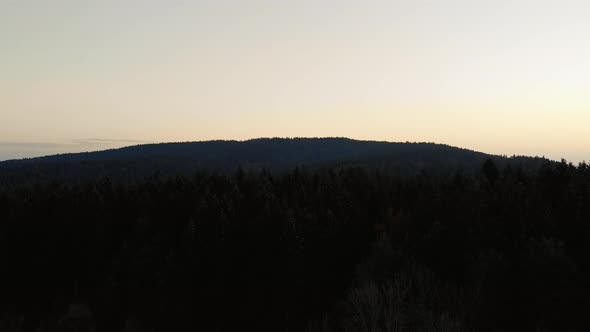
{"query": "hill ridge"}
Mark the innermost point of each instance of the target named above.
(184, 158)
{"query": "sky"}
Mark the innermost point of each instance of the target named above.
(503, 76)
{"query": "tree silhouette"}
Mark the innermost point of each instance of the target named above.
(331, 247)
(490, 170)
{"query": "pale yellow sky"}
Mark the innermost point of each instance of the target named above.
(506, 77)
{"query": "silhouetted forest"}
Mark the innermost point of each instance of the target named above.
(274, 154)
(335, 248)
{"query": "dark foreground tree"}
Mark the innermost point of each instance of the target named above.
(337, 249)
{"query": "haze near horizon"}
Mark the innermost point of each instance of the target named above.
(502, 77)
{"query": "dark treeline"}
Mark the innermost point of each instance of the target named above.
(134, 163)
(346, 249)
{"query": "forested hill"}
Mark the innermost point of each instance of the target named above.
(138, 162)
(313, 249)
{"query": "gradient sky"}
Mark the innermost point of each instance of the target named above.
(502, 76)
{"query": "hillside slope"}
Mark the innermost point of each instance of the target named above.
(136, 162)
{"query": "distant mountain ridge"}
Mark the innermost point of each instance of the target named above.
(264, 153)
